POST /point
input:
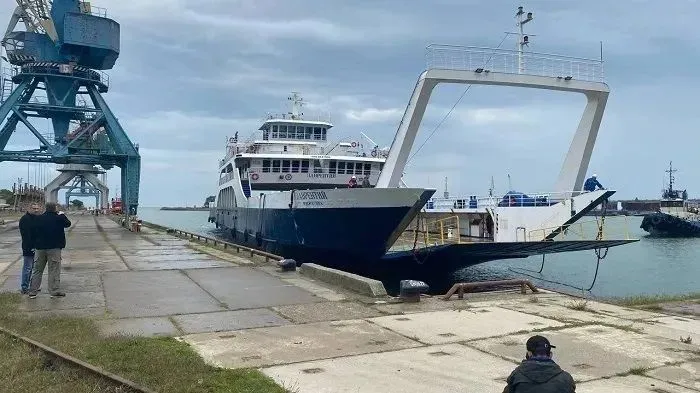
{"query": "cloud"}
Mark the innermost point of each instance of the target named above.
(375, 115)
(488, 116)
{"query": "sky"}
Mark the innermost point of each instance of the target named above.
(192, 73)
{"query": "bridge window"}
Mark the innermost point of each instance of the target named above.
(295, 166)
(332, 166)
(275, 134)
(304, 166)
(317, 133)
(283, 132)
(318, 168)
(368, 169)
(300, 132)
(275, 166)
(341, 168)
(266, 166)
(285, 166)
(358, 168)
(323, 134)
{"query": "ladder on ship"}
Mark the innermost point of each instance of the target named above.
(246, 188)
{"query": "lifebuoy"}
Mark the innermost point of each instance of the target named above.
(288, 176)
(254, 176)
(374, 153)
(354, 144)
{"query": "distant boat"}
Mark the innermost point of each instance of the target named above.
(676, 216)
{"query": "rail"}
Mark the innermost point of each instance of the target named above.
(463, 287)
(97, 76)
(122, 382)
(583, 230)
(514, 199)
(472, 58)
(216, 242)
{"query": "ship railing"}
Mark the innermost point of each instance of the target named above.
(612, 228)
(426, 233)
(481, 59)
(516, 199)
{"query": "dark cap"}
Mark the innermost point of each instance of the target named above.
(538, 344)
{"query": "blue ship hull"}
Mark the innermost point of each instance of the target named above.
(666, 225)
(342, 238)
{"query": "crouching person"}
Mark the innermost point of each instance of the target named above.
(538, 373)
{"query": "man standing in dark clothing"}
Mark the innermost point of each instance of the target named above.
(27, 230)
(50, 240)
(538, 373)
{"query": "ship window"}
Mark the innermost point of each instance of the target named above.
(317, 167)
(309, 133)
(304, 166)
(283, 132)
(275, 134)
(285, 148)
(266, 166)
(295, 166)
(368, 169)
(266, 134)
(341, 168)
(300, 132)
(274, 128)
(323, 134)
(285, 165)
(275, 166)
(358, 168)
(381, 166)
(331, 167)
(317, 133)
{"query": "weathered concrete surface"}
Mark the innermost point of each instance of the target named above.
(362, 285)
(152, 283)
(295, 343)
(440, 327)
(314, 337)
(436, 369)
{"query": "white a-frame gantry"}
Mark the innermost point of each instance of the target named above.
(485, 66)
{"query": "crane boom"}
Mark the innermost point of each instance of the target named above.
(36, 15)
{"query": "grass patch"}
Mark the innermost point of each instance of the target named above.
(162, 364)
(579, 305)
(650, 300)
(636, 371)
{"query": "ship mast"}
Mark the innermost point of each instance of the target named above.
(670, 172)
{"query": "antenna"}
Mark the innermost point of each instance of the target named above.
(297, 103)
(447, 194)
(491, 189)
(523, 39)
(510, 186)
(670, 172)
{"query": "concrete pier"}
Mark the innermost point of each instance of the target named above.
(310, 336)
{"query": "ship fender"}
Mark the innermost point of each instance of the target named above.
(655, 220)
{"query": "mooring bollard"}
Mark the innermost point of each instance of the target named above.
(287, 265)
(410, 290)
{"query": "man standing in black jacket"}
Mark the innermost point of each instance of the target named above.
(538, 373)
(50, 240)
(27, 229)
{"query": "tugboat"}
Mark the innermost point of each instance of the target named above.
(676, 216)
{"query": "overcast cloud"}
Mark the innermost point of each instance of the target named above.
(192, 73)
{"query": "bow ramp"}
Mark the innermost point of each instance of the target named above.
(498, 67)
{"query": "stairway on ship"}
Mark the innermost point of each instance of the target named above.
(246, 188)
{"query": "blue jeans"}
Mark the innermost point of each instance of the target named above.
(28, 264)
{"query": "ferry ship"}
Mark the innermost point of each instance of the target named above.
(290, 191)
(677, 217)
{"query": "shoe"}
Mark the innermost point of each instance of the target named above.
(24, 291)
(58, 294)
(32, 295)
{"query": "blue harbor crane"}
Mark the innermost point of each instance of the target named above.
(57, 73)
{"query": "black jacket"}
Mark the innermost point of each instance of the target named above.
(50, 233)
(536, 376)
(27, 229)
